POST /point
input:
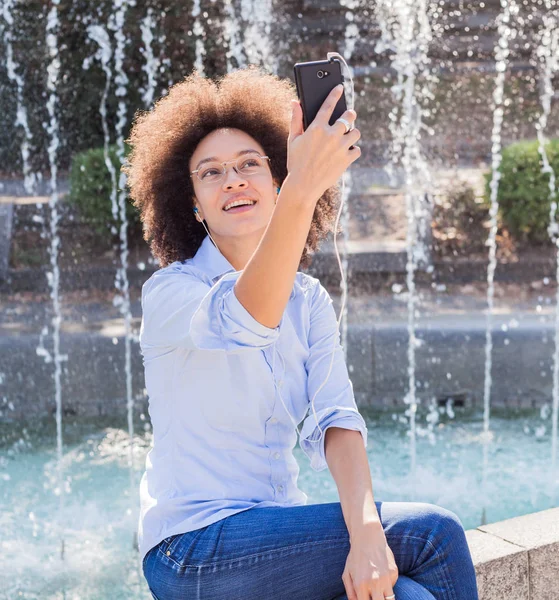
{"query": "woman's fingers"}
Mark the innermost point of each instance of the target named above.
(349, 116)
(352, 136)
(319, 156)
(296, 126)
(348, 584)
(325, 113)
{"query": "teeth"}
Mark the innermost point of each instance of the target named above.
(238, 203)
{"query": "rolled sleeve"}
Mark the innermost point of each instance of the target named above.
(180, 309)
(311, 442)
(334, 403)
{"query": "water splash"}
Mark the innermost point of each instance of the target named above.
(29, 177)
(506, 33)
(548, 53)
(53, 277)
(406, 31)
(122, 300)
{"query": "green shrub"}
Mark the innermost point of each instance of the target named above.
(523, 193)
(459, 219)
(90, 190)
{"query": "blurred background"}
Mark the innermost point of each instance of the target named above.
(449, 248)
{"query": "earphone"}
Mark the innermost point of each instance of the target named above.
(330, 56)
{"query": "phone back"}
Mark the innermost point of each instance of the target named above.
(313, 89)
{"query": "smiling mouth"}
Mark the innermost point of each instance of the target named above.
(241, 208)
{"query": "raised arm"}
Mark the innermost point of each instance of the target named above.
(316, 159)
(244, 310)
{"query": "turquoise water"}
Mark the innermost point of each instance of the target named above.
(99, 512)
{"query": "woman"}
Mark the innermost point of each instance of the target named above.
(221, 513)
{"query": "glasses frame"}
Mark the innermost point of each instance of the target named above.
(224, 172)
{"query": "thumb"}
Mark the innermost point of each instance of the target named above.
(296, 127)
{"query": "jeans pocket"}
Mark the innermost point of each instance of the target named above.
(182, 546)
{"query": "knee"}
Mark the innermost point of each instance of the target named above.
(442, 519)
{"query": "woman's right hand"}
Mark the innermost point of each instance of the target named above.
(317, 157)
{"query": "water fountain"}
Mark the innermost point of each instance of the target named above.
(406, 34)
(406, 31)
(548, 52)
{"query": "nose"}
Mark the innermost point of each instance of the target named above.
(233, 180)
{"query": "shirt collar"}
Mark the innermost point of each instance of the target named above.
(210, 260)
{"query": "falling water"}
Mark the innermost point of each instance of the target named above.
(53, 276)
(510, 9)
(104, 53)
(257, 16)
(344, 264)
(548, 53)
(198, 30)
(406, 31)
(152, 63)
(351, 33)
(29, 178)
(232, 36)
(122, 300)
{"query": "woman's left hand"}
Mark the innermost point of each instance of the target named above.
(370, 571)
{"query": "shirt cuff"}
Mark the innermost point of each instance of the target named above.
(239, 314)
(336, 416)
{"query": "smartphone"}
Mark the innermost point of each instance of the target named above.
(314, 81)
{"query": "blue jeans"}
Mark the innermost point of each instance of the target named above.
(299, 553)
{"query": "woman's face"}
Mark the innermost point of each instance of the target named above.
(210, 198)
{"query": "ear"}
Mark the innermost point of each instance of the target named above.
(197, 215)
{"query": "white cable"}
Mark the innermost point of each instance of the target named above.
(330, 56)
(347, 75)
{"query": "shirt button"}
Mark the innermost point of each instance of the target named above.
(280, 383)
(273, 420)
(280, 488)
(277, 455)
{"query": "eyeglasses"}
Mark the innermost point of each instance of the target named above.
(214, 172)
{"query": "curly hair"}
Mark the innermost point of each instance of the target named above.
(163, 139)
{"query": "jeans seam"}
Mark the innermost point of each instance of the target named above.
(437, 553)
(153, 594)
(335, 542)
(444, 570)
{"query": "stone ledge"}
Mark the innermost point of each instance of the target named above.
(517, 559)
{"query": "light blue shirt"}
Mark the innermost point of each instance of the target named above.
(222, 438)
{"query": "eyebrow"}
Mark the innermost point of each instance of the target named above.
(212, 158)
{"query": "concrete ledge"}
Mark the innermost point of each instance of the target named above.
(93, 375)
(517, 559)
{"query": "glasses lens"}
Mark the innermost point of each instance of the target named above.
(210, 172)
(250, 165)
(246, 165)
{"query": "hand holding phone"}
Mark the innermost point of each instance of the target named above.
(318, 156)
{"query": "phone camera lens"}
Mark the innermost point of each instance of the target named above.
(320, 74)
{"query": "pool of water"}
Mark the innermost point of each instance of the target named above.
(96, 515)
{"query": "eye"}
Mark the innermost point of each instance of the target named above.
(251, 165)
(212, 171)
